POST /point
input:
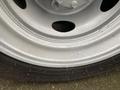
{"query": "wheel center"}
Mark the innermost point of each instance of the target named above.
(63, 7)
(70, 4)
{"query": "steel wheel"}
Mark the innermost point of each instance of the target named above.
(60, 33)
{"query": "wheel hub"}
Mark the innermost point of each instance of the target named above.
(64, 7)
(71, 4)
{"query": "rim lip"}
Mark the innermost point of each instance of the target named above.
(5, 48)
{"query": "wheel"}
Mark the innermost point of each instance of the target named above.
(62, 40)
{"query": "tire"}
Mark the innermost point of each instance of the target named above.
(62, 48)
(32, 73)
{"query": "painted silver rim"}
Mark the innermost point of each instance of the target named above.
(27, 34)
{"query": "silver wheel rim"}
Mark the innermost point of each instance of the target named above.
(27, 35)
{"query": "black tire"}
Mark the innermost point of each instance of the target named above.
(27, 72)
